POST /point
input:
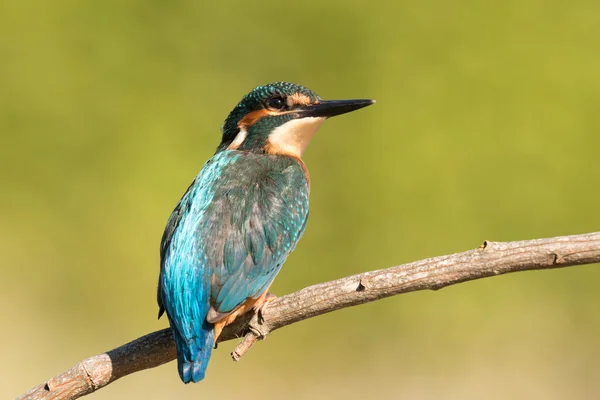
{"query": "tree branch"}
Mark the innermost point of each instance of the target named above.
(492, 258)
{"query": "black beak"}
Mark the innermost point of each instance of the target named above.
(331, 108)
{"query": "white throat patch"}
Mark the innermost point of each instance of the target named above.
(293, 137)
(239, 139)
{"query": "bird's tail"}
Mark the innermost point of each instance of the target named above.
(193, 353)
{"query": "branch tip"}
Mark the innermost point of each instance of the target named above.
(244, 346)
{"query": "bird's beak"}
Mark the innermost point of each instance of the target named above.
(331, 108)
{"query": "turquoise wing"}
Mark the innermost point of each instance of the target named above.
(258, 214)
(243, 215)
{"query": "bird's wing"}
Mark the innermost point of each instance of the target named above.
(243, 219)
(251, 229)
(179, 211)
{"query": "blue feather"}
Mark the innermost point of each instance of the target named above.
(225, 242)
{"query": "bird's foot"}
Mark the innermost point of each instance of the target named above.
(261, 303)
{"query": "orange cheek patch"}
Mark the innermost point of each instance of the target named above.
(252, 117)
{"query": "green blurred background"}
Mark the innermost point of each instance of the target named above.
(486, 127)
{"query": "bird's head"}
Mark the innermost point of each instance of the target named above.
(280, 118)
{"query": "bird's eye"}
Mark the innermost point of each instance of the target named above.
(277, 103)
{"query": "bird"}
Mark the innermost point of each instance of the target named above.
(240, 218)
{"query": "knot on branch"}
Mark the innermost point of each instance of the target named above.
(360, 287)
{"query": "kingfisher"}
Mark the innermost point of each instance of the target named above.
(240, 218)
